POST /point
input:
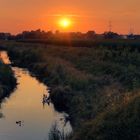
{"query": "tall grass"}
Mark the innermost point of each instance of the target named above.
(56, 134)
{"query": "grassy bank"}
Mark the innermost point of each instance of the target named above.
(98, 87)
(7, 80)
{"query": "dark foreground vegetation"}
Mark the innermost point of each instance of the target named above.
(56, 134)
(7, 80)
(98, 86)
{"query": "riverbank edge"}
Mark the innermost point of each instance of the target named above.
(8, 87)
(58, 105)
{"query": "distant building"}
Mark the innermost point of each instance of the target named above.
(137, 36)
(5, 36)
(124, 37)
(131, 36)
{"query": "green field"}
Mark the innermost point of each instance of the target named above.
(97, 86)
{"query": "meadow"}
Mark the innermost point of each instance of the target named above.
(98, 86)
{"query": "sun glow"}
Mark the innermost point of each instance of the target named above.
(65, 23)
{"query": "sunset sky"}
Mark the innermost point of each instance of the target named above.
(19, 15)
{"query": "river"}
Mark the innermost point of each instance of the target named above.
(25, 105)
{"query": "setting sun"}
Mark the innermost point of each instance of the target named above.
(65, 23)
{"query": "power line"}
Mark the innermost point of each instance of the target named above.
(110, 26)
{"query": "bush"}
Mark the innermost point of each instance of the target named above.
(7, 80)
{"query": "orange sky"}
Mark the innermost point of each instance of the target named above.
(19, 15)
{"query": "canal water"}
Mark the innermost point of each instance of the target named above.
(24, 116)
